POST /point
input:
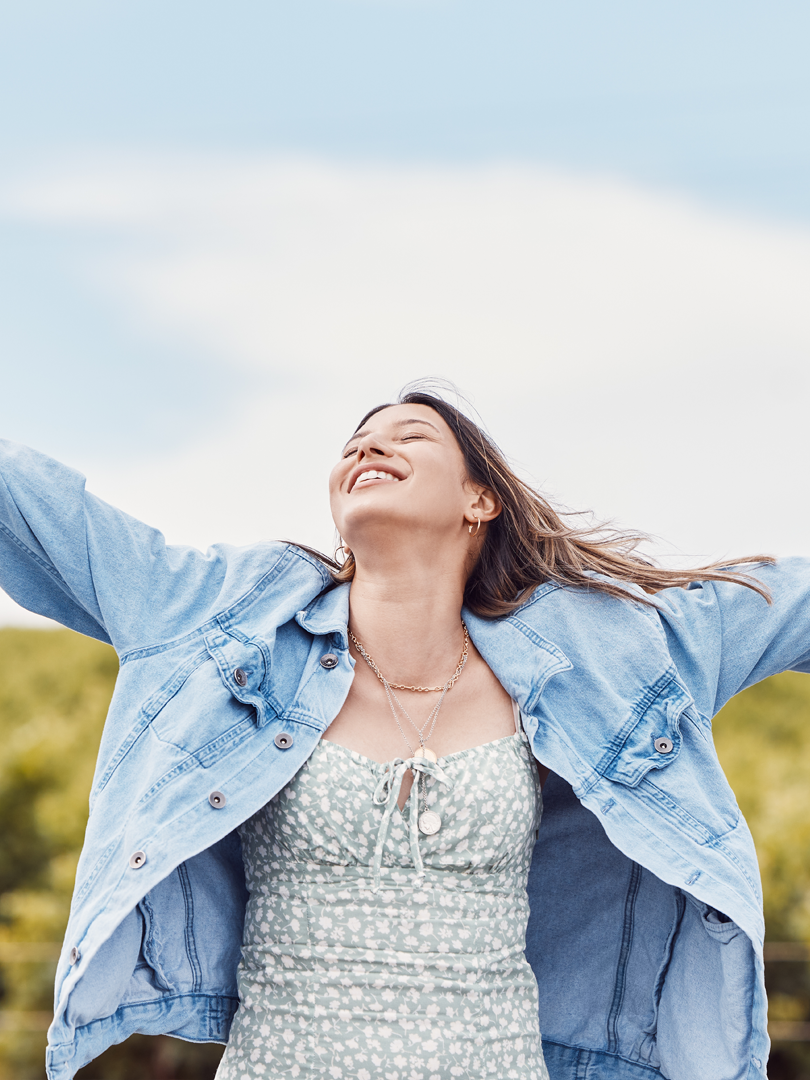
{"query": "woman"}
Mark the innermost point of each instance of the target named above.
(358, 745)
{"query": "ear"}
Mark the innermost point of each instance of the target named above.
(484, 506)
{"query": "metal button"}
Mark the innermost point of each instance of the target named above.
(239, 677)
(75, 956)
(283, 741)
(329, 660)
(137, 859)
(663, 746)
(217, 800)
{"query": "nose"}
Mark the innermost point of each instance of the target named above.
(370, 446)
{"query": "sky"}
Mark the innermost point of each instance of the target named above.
(227, 230)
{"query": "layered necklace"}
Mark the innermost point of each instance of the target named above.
(429, 820)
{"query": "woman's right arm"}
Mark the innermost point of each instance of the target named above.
(70, 556)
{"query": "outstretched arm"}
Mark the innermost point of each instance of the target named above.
(724, 637)
(70, 556)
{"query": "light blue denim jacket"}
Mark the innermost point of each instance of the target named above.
(646, 928)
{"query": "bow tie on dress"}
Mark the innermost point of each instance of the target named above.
(386, 794)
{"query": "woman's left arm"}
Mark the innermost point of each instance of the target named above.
(723, 637)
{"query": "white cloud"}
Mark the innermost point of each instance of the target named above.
(639, 354)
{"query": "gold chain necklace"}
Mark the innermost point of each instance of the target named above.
(417, 689)
(429, 821)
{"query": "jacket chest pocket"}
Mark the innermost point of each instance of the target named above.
(651, 739)
(201, 716)
(669, 761)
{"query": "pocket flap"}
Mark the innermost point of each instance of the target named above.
(652, 740)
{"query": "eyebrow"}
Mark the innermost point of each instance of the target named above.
(399, 424)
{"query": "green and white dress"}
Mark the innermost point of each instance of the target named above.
(374, 951)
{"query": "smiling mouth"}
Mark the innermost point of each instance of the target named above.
(369, 475)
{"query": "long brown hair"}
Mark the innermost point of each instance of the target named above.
(529, 543)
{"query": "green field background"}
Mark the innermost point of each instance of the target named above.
(54, 690)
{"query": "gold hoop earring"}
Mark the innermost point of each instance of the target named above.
(477, 527)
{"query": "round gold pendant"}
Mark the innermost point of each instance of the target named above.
(429, 822)
(426, 753)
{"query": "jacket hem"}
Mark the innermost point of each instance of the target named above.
(199, 1018)
(577, 1063)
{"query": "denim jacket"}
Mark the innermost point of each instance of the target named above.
(646, 928)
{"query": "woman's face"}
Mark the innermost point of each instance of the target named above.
(402, 470)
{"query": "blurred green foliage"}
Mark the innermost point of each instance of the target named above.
(54, 690)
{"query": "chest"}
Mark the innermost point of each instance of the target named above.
(382, 725)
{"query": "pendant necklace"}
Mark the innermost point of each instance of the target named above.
(429, 821)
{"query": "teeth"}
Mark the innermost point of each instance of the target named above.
(375, 474)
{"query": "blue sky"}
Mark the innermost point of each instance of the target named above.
(218, 217)
(711, 97)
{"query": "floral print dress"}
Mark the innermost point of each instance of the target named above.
(374, 951)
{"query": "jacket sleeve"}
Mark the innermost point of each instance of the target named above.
(724, 637)
(70, 556)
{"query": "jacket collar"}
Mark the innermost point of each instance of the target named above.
(516, 665)
(328, 613)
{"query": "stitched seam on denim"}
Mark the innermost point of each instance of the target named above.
(189, 762)
(208, 754)
(293, 549)
(603, 1054)
(582, 1065)
(29, 551)
(153, 706)
(145, 717)
(624, 955)
(560, 660)
(191, 946)
(141, 725)
(642, 821)
(669, 948)
(99, 865)
(298, 716)
(150, 1005)
(250, 597)
(540, 642)
(215, 650)
(151, 943)
(279, 712)
(192, 761)
(658, 798)
(260, 586)
(233, 632)
(650, 696)
(537, 595)
(167, 646)
(718, 846)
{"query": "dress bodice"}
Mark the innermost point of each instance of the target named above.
(367, 940)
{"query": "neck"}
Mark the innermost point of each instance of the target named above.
(407, 615)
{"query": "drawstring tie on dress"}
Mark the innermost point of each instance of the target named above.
(386, 794)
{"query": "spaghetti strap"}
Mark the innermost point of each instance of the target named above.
(517, 716)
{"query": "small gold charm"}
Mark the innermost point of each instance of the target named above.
(426, 753)
(429, 822)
